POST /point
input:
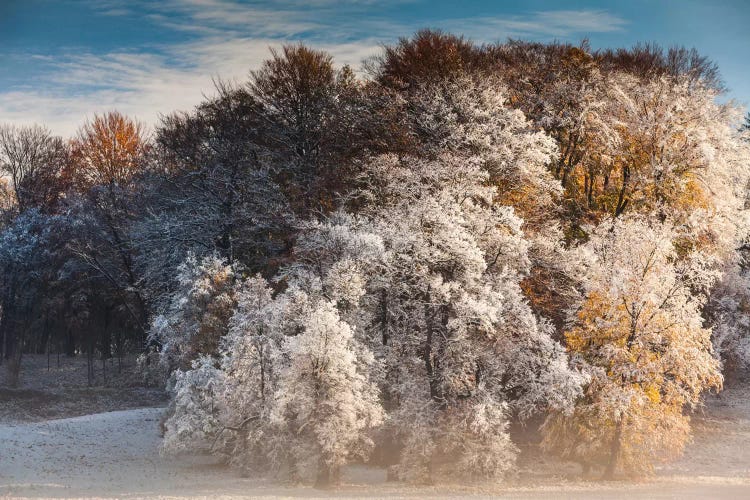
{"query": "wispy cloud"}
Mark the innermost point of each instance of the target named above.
(145, 85)
(226, 39)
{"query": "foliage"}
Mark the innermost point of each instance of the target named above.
(640, 332)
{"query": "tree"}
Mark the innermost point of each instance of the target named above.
(198, 314)
(107, 158)
(728, 312)
(305, 108)
(648, 61)
(325, 401)
(110, 150)
(293, 392)
(470, 116)
(7, 202)
(258, 156)
(195, 408)
(641, 334)
(33, 159)
(457, 335)
(29, 262)
(216, 192)
(430, 55)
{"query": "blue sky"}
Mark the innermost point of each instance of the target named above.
(63, 60)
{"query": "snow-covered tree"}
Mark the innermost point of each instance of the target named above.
(729, 313)
(294, 390)
(198, 314)
(196, 408)
(471, 116)
(640, 333)
(325, 401)
(686, 159)
(455, 330)
(678, 148)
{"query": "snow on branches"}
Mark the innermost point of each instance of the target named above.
(430, 304)
(640, 333)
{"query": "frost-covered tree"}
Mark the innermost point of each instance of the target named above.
(674, 148)
(729, 314)
(325, 401)
(198, 314)
(471, 116)
(640, 333)
(295, 388)
(456, 332)
(429, 279)
(196, 408)
(689, 162)
(22, 249)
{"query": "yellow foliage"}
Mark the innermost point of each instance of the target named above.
(648, 364)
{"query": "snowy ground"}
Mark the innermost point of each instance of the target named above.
(115, 455)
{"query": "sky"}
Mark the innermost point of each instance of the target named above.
(62, 61)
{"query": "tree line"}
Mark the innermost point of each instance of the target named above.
(330, 267)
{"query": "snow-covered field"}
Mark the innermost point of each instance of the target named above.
(115, 454)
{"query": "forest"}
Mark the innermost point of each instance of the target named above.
(399, 263)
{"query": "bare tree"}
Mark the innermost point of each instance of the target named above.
(32, 159)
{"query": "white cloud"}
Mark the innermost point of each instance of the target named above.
(145, 85)
(548, 24)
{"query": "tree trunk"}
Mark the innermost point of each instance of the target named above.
(70, 344)
(622, 202)
(327, 476)
(609, 472)
(2, 344)
(14, 367)
(119, 351)
(427, 354)
(90, 362)
(384, 316)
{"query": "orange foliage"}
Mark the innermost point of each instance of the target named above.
(110, 149)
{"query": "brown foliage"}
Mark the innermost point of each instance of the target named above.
(109, 150)
(430, 55)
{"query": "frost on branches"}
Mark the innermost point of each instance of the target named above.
(196, 410)
(729, 312)
(469, 116)
(641, 334)
(325, 401)
(461, 346)
(408, 317)
(198, 313)
(291, 388)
